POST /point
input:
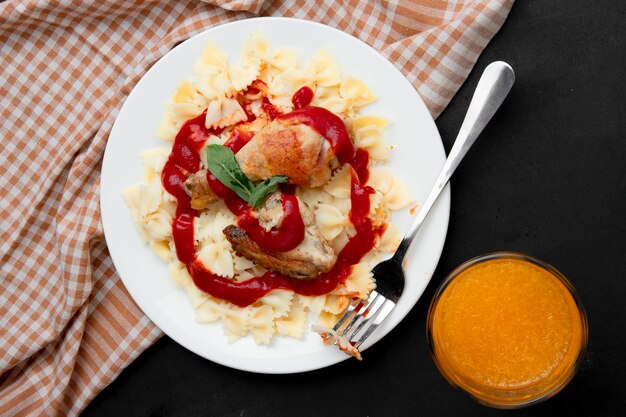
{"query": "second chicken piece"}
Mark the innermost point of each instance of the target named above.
(313, 256)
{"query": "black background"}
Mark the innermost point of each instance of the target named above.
(546, 177)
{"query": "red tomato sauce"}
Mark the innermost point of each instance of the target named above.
(302, 98)
(282, 238)
(247, 292)
(271, 110)
(238, 139)
(182, 161)
(360, 162)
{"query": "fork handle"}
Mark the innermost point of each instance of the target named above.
(493, 87)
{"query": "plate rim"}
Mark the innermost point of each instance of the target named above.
(444, 199)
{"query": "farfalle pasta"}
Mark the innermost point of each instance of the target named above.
(331, 220)
(231, 104)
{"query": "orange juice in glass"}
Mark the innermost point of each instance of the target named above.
(508, 329)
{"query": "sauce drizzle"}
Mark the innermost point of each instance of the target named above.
(278, 239)
(182, 161)
(360, 162)
(302, 98)
(271, 110)
(238, 139)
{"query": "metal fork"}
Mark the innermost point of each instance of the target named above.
(362, 319)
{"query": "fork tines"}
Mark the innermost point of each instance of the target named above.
(362, 319)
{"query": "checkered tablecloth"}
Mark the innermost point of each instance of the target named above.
(68, 326)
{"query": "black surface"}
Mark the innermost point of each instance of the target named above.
(547, 177)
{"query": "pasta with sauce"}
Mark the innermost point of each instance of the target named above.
(265, 80)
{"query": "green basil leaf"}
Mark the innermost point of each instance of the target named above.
(265, 189)
(222, 163)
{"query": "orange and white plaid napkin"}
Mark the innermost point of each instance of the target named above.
(68, 326)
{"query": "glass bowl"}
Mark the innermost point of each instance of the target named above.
(473, 336)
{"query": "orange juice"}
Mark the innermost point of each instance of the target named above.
(507, 329)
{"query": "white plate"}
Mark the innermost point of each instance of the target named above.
(417, 157)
